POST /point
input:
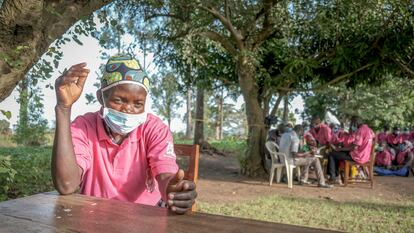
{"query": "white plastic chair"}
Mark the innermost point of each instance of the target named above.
(272, 147)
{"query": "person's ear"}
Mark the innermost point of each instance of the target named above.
(99, 96)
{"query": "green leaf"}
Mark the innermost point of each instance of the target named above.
(7, 114)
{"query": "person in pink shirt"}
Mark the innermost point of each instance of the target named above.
(384, 155)
(382, 136)
(336, 133)
(320, 131)
(405, 156)
(120, 152)
(359, 151)
(395, 138)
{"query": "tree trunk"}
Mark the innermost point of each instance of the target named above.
(189, 120)
(199, 122)
(169, 116)
(24, 106)
(254, 160)
(28, 27)
(219, 116)
(286, 109)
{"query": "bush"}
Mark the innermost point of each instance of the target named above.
(24, 171)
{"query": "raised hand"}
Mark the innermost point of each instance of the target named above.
(70, 84)
(181, 193)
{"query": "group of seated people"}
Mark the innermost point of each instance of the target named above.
(302, 142)
(395, 149)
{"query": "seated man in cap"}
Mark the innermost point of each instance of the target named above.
(119, 152)
(290, 146)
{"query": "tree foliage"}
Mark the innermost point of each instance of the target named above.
(32, 127)
(165, 94)
(389, 103)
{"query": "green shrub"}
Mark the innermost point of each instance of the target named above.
(26, 171)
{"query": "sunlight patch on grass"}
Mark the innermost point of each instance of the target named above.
(351, 217)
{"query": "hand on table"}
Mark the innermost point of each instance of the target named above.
(181, 194)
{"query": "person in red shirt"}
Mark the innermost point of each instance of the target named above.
(382, 136)
(320, 131)
(359, 151)
(384, 156)
(395, 138)
(336, 133)
(405, 156)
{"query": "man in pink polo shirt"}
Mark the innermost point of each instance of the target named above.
(120, 152)
(320, 131)
(359, 151)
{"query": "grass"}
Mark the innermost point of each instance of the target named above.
(350, 217)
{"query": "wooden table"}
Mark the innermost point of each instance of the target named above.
(50, 212)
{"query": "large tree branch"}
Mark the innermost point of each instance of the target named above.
(278, 101)
(29, 27)
(268, 23)
(404, 67)
(167, 15)
(236, 34)
(332, 82)
(223, 41)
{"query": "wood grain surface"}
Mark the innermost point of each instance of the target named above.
(50, 212)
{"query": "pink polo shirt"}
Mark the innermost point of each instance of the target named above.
(123, 172)
(363, 142)
(394, 139)
(384, 158)
(382, 137)
(348, 139)
(322, 134)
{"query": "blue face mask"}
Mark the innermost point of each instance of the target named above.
(288, 130)
(336, 129)
(402, 147)
(122, 123)
(354, 128)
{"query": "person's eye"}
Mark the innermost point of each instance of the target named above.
(117, 101)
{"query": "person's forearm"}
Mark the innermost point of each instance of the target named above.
(65, 171)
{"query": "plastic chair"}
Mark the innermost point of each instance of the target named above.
(193, 152)
(272, 147)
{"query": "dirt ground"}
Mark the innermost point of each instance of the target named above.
(220, 182)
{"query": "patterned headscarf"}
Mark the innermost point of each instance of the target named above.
(123, 69)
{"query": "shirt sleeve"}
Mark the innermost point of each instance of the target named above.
(160, 153)
(80, 143)
(327, 134)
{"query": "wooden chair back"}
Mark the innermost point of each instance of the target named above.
(193, 154)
